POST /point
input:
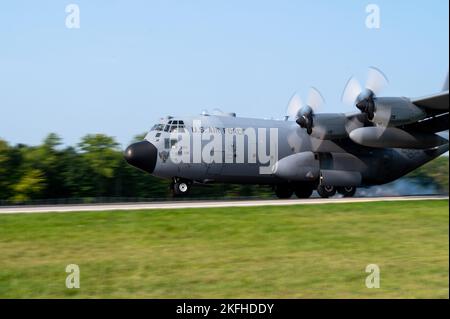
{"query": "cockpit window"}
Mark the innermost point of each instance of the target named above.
(174, 126)
(171, 126)
(157, 127)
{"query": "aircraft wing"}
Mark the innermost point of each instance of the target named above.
(388, 129)
(432, 124)
(436, 102)
(437, 106)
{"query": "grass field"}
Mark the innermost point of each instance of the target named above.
(318, 251)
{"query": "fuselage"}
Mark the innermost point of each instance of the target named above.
(229, 149)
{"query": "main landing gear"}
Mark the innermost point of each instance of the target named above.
(348, 191)
(285, 191)
(326, 191)
(303, 192)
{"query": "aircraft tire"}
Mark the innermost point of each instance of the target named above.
(326, 191)
(181, 188)
(283, 191)
(304, 192)
(347, 191)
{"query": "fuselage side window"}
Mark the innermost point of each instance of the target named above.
(170, 143)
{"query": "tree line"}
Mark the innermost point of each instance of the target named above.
(95, 168)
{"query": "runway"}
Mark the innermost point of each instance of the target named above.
(204, 204)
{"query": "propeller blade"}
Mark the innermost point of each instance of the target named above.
(315, 99)
(294, 105)
(376, 80)
(382, 119)
(383, 116)
(351, 92)
(353, 123)
(319, 132)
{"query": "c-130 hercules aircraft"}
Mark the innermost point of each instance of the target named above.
(328, 152)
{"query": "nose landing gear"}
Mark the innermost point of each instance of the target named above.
(180, 187)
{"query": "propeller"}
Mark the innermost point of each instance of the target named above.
(304, 113)
(364, 99)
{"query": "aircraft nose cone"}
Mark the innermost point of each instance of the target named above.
(142, 155)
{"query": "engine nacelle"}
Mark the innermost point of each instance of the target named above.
(329, 126)
(395, 111)
(392, 137)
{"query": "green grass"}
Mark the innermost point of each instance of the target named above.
(317, 251)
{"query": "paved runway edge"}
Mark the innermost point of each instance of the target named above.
(204, 204)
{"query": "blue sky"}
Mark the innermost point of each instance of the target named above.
(132, 62)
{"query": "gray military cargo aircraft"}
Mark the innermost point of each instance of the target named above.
(329, 152)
